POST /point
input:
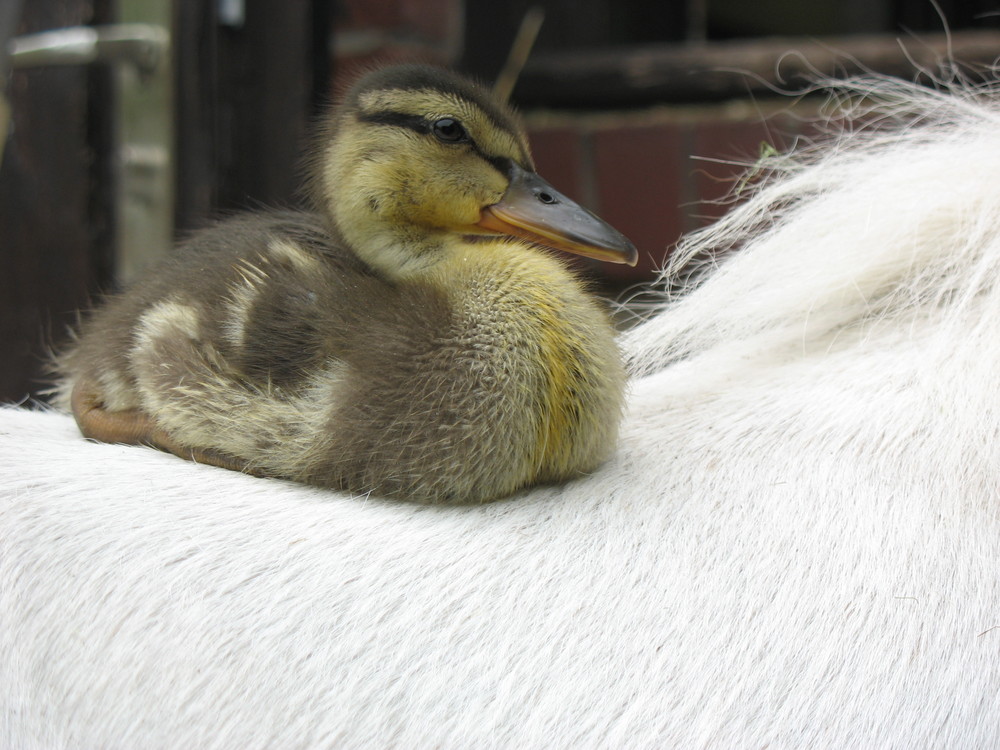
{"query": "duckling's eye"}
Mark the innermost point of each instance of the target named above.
(449, 130)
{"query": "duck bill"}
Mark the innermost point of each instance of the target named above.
(535, 211)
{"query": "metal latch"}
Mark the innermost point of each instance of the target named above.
(140, 44)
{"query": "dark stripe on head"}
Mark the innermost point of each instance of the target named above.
(428, 78)
(397, 119)
(501, 163)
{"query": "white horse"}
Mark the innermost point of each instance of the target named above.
(797, 545)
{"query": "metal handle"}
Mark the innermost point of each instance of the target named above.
(143, 45)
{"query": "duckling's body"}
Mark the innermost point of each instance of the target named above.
(397, 357)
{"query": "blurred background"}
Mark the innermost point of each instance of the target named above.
(132, 122)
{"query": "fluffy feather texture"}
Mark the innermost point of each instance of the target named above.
(797, 545)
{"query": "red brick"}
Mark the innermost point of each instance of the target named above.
(429, 20)
(722, 152)
(368, 13)
(437, 20)
(639, 176)
(369, 33)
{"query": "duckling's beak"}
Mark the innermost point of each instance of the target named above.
(535, 211)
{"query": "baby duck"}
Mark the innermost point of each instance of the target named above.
(410, 338)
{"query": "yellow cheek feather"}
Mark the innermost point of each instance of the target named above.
(462, 186)
(401, 177)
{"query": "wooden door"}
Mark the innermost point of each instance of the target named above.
(54, 201)
(246, 83)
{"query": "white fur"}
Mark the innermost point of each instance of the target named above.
(797, 545)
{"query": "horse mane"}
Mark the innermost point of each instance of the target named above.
(888, 217)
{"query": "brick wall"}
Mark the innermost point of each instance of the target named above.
(369, 32)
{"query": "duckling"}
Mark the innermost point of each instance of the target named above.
(412, 336)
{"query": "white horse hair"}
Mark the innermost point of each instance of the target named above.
(798, 544)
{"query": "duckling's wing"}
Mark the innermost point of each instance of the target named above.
(211, 355)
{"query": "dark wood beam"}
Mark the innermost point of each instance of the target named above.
(641, 76)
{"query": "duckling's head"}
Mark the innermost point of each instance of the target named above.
(416, 157)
